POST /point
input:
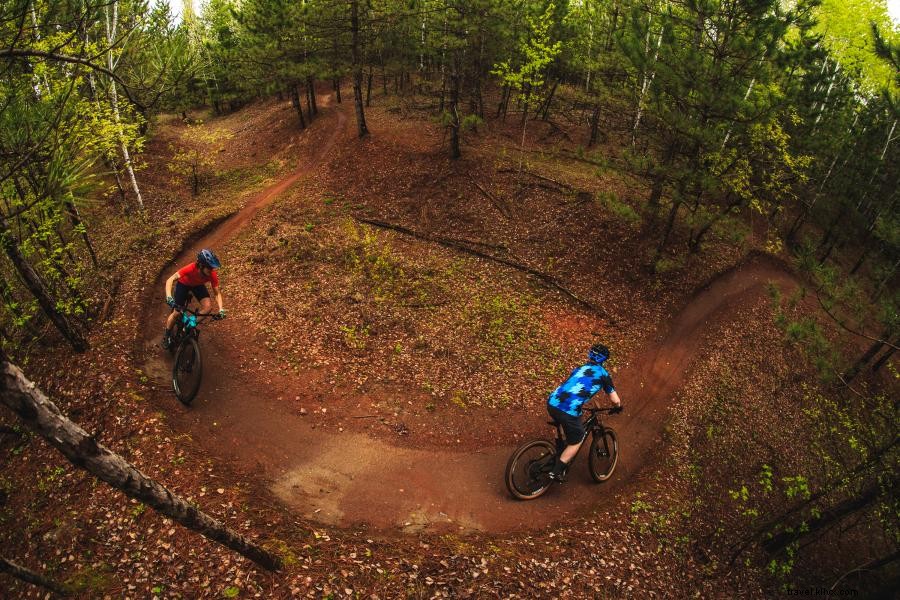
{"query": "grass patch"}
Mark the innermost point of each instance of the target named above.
(624, 211)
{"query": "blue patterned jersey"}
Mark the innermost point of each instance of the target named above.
(582, 384)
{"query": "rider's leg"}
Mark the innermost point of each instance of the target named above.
(181, 294)
(202, 295)
(574, 434)
(569, 453)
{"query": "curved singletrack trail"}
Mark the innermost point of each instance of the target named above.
(350, 478)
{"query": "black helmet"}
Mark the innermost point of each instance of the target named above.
(598, 353)
(207, 258)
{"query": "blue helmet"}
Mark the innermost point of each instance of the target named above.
(598, 353)
(207, 258)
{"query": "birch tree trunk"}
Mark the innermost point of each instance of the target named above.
(645, 85)
(111, 26)
(43, 417)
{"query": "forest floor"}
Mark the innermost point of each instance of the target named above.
(361, 400)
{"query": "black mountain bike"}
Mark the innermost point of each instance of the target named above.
(187, 368)
(529, 467)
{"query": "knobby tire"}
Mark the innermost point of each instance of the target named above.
(527, 474)
(604, 454)
(187, 371)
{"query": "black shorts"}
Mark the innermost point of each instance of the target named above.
(182, 293)
(573, 427)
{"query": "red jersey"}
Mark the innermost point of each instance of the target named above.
(192, 276)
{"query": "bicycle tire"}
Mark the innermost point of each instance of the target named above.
(604, 454)
(187, 371)
(527, 474)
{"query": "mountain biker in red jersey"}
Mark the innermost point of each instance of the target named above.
(566, 401)
(191, 280)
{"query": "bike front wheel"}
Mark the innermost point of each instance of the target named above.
(187, 371)
(604, 454)
(528, 469)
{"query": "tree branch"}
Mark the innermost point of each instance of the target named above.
(844, 327)
(77, 60)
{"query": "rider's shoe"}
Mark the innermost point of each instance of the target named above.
(166, 341)
(559, 472)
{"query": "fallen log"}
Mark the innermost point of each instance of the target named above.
(565, 186)
(547, 280)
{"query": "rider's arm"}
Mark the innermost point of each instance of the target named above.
(614, 396)
(170, 283)
(217, 294)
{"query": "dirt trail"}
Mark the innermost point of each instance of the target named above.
(346, 478)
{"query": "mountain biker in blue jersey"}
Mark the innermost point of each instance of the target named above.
(566, 402)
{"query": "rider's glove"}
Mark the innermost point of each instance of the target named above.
(616, 409)
(220, 316)
(170, 301)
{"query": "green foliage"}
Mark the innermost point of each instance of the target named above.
(196, 158)
(536, 52)
(611, 202)
(505, 322)
(846, 30)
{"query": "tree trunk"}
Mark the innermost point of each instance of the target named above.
(595, 125)
(526, 99)
(884, 358)
(357, 70)
(44, 418)
(75, 219)
(29, 576)
(782, 540)
(311, 86)
(111, 26)
(610, 34)
(697, 238)
(454, 109)
(545, 109)
(337, 89)
(851, 373)
(295, 100)
(831, 235)
(39, 289)
(309, 106)
(504, 99)
(670, 222)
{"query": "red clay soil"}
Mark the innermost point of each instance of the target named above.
(245, 413)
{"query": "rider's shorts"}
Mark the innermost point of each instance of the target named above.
(182, 291)
(573, 427)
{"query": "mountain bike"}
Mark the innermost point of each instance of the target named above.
(528, 470)
(187, 369)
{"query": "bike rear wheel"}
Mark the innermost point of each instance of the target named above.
(528, 469)
(604, 454)
(187, 371)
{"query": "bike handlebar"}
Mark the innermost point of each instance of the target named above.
(610, 411)
(196, 313)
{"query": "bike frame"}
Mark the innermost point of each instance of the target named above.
(186, 325)
(593, 423)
